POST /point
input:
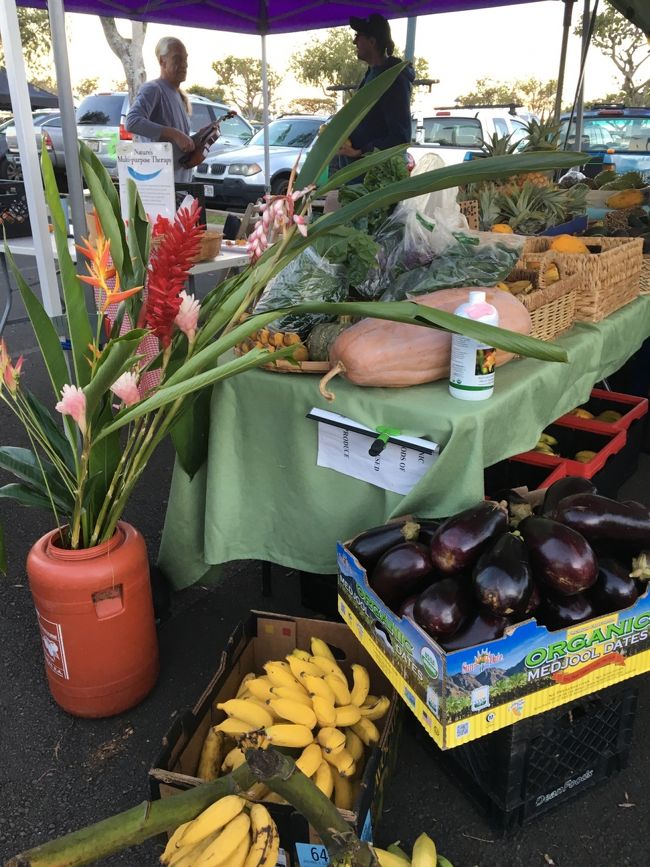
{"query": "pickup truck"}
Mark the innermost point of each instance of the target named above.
(451, 132)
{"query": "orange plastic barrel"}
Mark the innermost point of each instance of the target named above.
(95, 614)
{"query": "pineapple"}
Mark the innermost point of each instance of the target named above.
(541, 135)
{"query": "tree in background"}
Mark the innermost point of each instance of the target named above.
(241, 79)
(86, 86)
(35, 36)
(538, 96)
(317, 105)
(129, 52)
(627, 48)
(216, 94)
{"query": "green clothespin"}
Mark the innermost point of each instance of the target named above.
(380, 443)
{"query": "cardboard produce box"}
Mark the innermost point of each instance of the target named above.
(472, 692)
(261, 638)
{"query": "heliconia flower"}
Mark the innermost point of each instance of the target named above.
(9, 373)
(73, 403)
(101, 271)
(126, 388)
(188, 315)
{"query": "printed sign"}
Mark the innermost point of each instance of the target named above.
(53, 648)
(312, 855)
(151, 166)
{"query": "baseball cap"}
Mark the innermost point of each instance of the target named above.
(375, 26)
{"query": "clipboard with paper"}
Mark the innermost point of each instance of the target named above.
(382, 457)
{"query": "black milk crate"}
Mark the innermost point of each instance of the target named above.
(519, 773)
(14, 214)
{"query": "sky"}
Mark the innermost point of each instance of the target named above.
(502, 43)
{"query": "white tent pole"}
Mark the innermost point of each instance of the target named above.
(17, 79)
(265, 116)
(409, 48)
(69, 120)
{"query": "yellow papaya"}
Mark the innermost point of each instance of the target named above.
(504, 228)
(626, 199)
(568, 244)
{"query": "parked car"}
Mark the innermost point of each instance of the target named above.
(14, 170)
(3, 146)
(101, 124)
(616, 135)
(451, 132)
(237, 178)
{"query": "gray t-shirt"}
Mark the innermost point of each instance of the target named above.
(158, 104)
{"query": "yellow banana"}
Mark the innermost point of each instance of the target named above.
(342, 761)
(424, 852)
(233, 726)
(376, 710)
(324, 710)
(247, 711)
(291, 693)
(339, 688)
(360, 684)
(301, 654)
(186, 856)
(280, 674)
(266, 840)
(240, 856)
(289, 735)
(347, 715)
(321, 648)
(343, 792)
(227, 844)
(367, 731)
(215, 817)
(387, 859)
(243, 686)
(318, 686)
(257, 792)
(211, 755)
(331, 740)
(233, 760)
(260, 687)
(310, 759)
(324, 779)
(294, 712)
(174, 843)
(354, 745)
(327, 666)
(301, 667)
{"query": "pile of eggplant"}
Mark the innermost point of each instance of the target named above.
(465, 580)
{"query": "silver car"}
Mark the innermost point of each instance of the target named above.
(13, 170)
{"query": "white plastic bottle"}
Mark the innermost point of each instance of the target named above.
(471, 375)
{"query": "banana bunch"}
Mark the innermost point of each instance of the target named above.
(303, 702)
(272, 340)
(230, 833)
(424, 855)
(546, 444)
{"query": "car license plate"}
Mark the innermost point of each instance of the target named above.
(208, 190)
(94, 145)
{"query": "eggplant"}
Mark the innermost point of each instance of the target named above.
(373, 543)
(484, 626)
(561, 559)
(606, 522)
(534, 600)
(558, 612)
(401, 572)
(502, 578)
(406, 608)
(614, 588)
(441, 609)
(564, 488)
(460, 540)
(427, 529)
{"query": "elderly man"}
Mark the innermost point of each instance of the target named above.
(160, 111)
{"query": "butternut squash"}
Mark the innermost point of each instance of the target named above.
(376, 352)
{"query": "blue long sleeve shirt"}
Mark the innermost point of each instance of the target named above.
(157, 105)
(388, 123)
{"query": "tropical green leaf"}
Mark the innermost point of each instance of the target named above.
(80, 331)
(51, 430)
(191, 432)
(342, 124)
(26, 496)
(359, 167)
(117, 357)
(3, 551)
(102, 462)
(138, 235)
(24, 464)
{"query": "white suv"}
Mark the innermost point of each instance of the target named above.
(236, 179)
(452, 131)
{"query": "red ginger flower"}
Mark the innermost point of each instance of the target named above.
(169, 267)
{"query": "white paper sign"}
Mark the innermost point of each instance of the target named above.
(343, 446)
(151, 166)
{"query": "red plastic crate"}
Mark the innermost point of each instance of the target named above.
(532, 470)
(631, 406)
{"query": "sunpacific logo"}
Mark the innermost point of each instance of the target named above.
(143, 176)
(483, 659)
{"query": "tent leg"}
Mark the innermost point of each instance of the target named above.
(265, 116)
(566, 27)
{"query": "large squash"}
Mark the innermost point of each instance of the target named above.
(376, 352)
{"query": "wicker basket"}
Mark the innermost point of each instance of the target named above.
(552, 308)
(644, 280)
(210, 246)
(469, 209)
(608, 278)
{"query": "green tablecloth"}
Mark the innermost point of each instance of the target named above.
(261, 495)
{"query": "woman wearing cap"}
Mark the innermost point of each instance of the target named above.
(388, 123)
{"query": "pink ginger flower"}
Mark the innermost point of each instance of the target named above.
(73, 403)
(277, 216)
(9, 373)
(126, 388)
(188, 315)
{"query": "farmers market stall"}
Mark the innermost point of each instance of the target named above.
(260, 495)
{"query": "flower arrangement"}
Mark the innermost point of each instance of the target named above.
(141, 371)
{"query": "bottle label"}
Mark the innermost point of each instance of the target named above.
(472, 364)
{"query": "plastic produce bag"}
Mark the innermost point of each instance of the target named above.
(309, 277)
